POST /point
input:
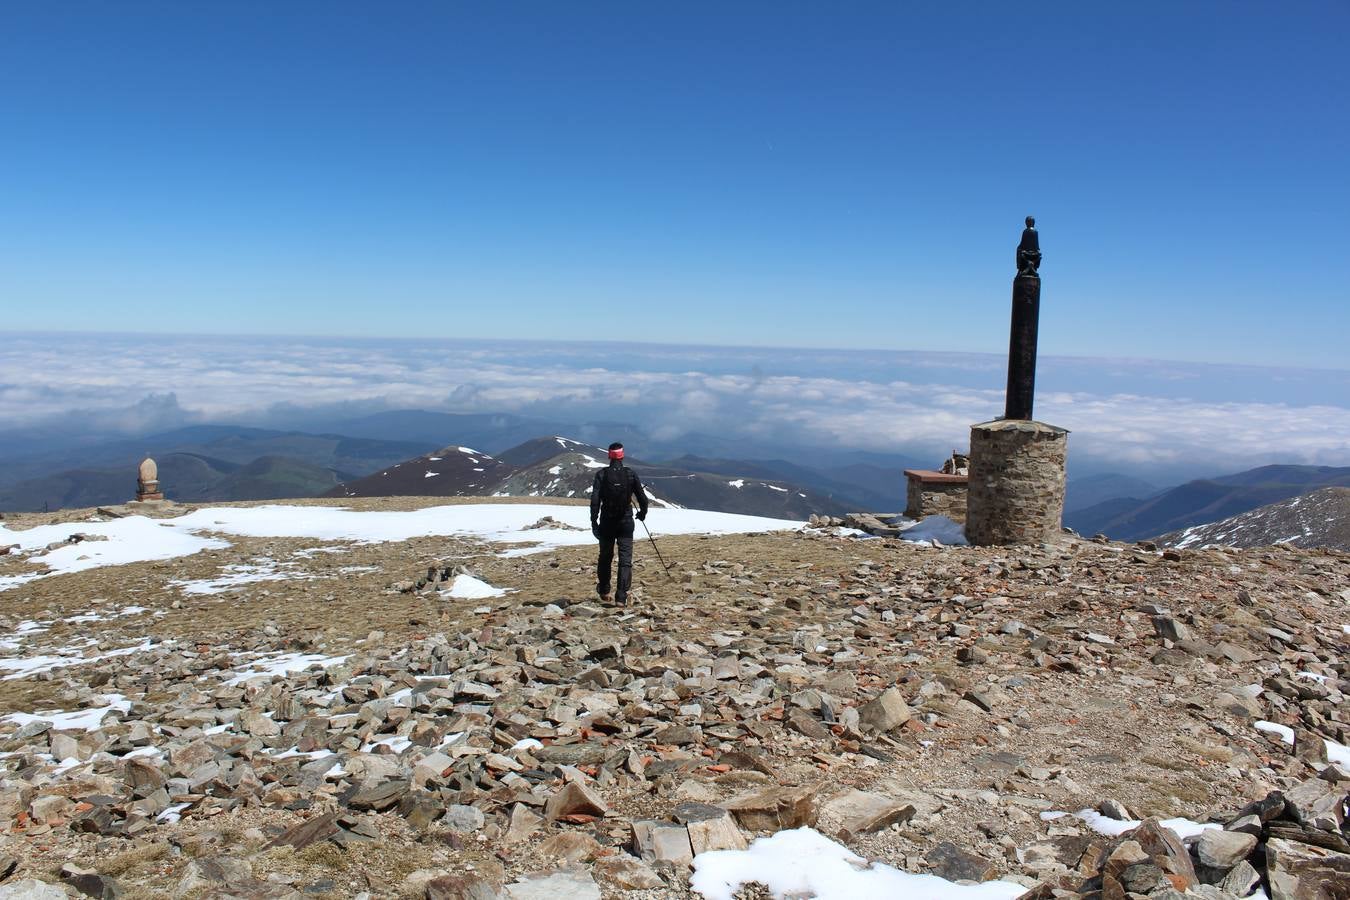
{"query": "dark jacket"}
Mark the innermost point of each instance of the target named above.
(634, 487)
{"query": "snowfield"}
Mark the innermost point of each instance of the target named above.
(140, 539)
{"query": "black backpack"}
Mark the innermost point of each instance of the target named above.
(616, 492)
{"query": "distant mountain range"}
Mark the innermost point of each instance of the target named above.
(208, 462)
(1320, 518)
(193, 477)
(1202, 501)
(562, 467)
(1089, 490)
(228, 462)
(388, 454)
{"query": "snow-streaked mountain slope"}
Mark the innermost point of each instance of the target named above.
(1317, 519)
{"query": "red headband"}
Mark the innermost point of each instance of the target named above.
(616, 454)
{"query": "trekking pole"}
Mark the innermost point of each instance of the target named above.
(658, 551)
(633, 501)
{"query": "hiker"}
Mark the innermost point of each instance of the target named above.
(612, 495)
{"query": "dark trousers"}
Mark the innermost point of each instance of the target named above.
(610, 534)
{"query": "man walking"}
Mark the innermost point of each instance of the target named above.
(612, 495)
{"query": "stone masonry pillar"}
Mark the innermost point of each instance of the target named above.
(1016, 493)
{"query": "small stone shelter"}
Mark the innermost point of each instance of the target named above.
(933, 493)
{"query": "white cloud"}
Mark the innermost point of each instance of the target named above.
(1120, 411)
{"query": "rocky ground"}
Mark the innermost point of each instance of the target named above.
(348, 728)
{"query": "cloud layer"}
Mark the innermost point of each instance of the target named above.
(1122, 413)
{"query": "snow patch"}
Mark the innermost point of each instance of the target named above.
(282, 664)
(466, 587)
(1336, 753)
(28, 666)
(129, 540)
(936, 528)
(238, 575)
(1101, 824)
(173, 813)
(804, 863)
(397, 743)
(138, 539)
(79, 720)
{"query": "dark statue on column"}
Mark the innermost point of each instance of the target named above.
(1026, 313)
(1029, 251)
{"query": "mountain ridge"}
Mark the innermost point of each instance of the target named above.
(556, 466)
(1202, 501)
(1317, 519)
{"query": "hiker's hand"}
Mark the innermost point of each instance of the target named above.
(595, 530)
(642, 516)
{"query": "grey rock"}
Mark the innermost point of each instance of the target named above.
(462, 887)
(803, 722)
(1166, 849)
(1142, 878)
(90, 883)
(1304, 872)
(1239, 703)
(1309, 746)
(581, 754)
(574, 799)
(710, 827)
(856, 812)
(776, 808)
(627, 874)
(1114, 809)
(459, 817)
(378, 797)
(574, 883)
(1220, 849)
(308, 832)
(1246, 825)
(1241, 880)
(31, 889)
(662, 842)
(1170, 629)
(948, 861)
(885, 712)
(255, 723)
(1316, 803)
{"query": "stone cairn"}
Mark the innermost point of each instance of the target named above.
(1016, 490)
(147, 482)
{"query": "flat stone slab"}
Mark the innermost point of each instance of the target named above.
(932, 476)
(949, 861)
(574, 882)
(859, 812)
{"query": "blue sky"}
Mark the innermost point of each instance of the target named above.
(827, 175)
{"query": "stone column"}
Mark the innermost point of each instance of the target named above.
(1026, 314)
(1016, 493)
